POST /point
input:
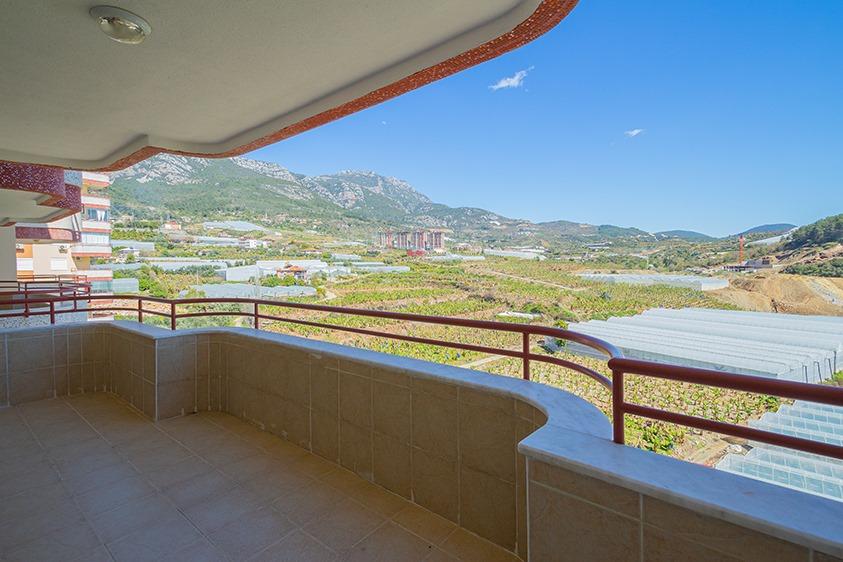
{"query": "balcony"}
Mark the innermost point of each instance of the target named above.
(96, 226)
(26, 301)
(235, 443)
(95, 201)
(91, 250)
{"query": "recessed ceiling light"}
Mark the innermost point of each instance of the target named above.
(120, 25)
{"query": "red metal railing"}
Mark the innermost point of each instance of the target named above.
(45, 289)
(619, 365)
(785, 389)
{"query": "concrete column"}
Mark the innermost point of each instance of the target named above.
(8, 259)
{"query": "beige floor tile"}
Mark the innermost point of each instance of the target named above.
(157, 458)
(309, 502)
(32, 501)
(17, 531)
(297, 547)
(468, 546)
(153, 543)
(79, 484)
(145, 442)
(99, 554)
(341, 479)
(90, 461)
(426, 524)
(77, 451)
(275, 484)
(274, 446)
(131, 516)
(104, 498)
(198, 489)
(377, 499)
(439, 555)
(246, 469)
(201, 551)
(182, 471)
(344, 525)
(72, 435)
(246, 489)
(227, 451)
(18, 459)
(34, 476)
(390, 542)
(65, 544)
(313, 465)
(220, 510)
(251, 533)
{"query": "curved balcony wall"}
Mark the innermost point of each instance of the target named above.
(526, 466)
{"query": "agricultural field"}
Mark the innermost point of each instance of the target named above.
(482, 290)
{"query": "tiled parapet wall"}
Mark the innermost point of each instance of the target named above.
(590, 499)
(449, 447)
(132, 369)
(49, 361)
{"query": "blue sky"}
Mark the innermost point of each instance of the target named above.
(711, 116)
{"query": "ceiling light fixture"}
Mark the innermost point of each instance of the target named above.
(120, 25)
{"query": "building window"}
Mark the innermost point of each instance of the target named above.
(93, 214)
(58, 264)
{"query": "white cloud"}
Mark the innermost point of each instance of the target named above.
(514, 81)
(633, 132)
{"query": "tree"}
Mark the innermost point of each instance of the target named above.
(829, 229)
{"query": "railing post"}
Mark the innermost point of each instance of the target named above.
(140, 310)
(525, 349)
(52, 312)
(26, 301)
(617, 406)
(257, 319)
(172, 315)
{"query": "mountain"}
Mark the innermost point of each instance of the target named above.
(770, 229)
(348, 202)
(688, 235)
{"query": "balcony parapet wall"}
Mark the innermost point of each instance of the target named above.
(527, 466)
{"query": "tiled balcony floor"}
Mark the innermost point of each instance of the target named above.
(86, 478)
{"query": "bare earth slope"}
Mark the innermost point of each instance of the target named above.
(795, 294)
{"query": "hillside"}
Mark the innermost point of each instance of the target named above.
(767, 229)
(688, 235)
(824, 231)
(351, 202)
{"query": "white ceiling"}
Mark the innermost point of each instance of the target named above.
(26, 206)
(214, 74)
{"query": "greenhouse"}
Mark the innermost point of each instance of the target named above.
(806, 472)
(784, 346)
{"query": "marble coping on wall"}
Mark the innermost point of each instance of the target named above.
(736, 517)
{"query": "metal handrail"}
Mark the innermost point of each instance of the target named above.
(256, 315)
(619, 365)
(760, 385)
(19, 292)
